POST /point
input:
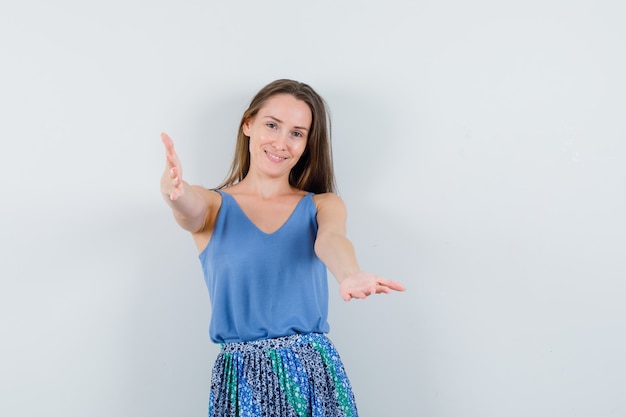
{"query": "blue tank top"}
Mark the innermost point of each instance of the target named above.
(264, 285)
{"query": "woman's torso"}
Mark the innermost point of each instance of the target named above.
(261, 270)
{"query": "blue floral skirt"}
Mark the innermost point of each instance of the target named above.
(298, 375)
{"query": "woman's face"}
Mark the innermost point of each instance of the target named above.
(278, 134)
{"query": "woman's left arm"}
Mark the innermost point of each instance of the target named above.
(337, 252)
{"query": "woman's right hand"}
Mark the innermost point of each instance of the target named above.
(172, 179)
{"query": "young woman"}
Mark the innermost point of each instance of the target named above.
(266, 236)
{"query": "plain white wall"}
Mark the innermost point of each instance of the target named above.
(480, 147)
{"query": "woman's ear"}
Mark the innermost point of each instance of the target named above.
(246, 126)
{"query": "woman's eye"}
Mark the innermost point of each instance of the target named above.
(271, 125)
(297, 134)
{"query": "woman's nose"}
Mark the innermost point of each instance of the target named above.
(280, 140)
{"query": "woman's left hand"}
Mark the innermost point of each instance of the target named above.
(363, 284)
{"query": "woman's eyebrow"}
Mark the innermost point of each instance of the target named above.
(280, 121)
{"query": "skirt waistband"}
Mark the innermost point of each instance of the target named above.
(274, 343)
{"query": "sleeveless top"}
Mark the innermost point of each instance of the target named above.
(264, 285)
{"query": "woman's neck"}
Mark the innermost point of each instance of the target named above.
(264, 187)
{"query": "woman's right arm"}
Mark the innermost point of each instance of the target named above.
(189, 204)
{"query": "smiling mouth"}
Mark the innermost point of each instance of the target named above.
(274, 157)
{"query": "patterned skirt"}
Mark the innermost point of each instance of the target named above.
(298, 375)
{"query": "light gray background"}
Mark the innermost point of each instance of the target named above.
(480, 147)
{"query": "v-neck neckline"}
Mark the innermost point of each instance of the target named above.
(282, 226)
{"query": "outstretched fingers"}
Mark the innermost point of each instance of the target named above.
(170, 154)
(172, 179)
(390, 285)
(362, 284)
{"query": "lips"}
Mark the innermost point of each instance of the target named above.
(274, 157)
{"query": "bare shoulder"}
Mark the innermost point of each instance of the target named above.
(213, 202)
(330, 207)
(328, 199)
(211, 197)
